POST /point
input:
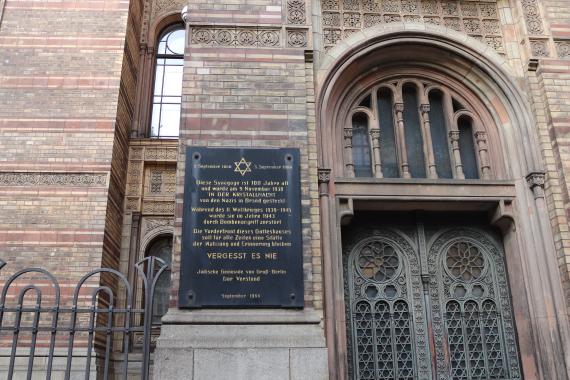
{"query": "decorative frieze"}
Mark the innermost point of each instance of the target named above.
(53, 179)
(158, 207)
(136, 154)
(296, 13)
(160, 154)
(563, 48)
(132, 204)
(480, 20)
(297, 38)
(160, 6)
(539, 48)
(324, 175)
(151, 224)
(532, 17)
(235, 36)
(151, 175)
(161, 181)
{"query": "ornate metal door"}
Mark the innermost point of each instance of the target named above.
(428, 303)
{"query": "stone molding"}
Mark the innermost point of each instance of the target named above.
(53, 179)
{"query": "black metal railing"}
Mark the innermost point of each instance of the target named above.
(96, 324)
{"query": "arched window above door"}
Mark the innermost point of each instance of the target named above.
(415, 127)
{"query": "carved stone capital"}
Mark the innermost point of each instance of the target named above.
(347, 133)
(481, 136)
(454, 135)
(536, 181)
(375, 133)
(324, 175)
(399, 107)
(424, 108)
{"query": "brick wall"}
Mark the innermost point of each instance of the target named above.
(119, 162)
(64, 117)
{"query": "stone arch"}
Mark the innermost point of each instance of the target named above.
(527, 236)
(152, 236)
(159, 23)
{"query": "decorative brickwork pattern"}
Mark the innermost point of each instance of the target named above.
(479, 20)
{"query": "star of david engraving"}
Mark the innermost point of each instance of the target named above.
(242, 167)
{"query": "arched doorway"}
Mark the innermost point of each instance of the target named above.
(364, 87)
(427, 297)
(161, 247)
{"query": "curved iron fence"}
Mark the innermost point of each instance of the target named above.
(97, 331)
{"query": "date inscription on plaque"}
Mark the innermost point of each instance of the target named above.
(241, 233)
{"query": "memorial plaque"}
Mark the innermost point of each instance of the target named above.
(241, 233)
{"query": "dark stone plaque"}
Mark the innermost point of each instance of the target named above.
(241, 233)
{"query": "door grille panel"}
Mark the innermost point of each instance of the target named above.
(469, 313)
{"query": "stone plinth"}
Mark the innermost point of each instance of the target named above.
(241, 344)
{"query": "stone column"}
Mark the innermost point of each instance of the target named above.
(458, 166)
(428, 145)
(548, 306)
(375, 137)
(400, 136)
(348, 163)
(485, 167)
